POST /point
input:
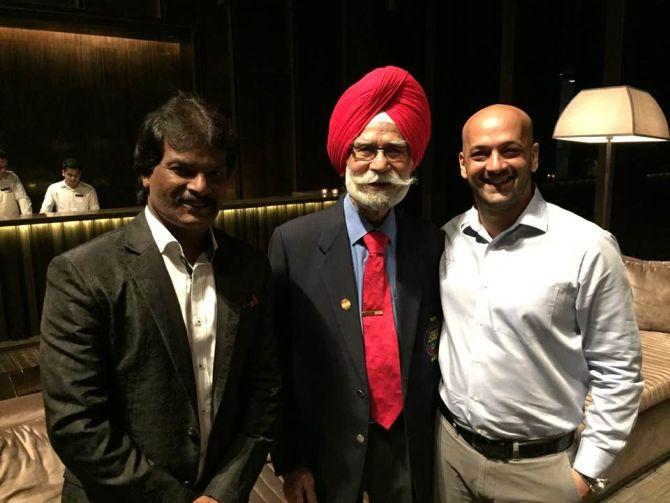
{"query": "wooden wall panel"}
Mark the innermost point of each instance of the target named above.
(67, 94)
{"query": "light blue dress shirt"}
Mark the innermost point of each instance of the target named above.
(357, 227)
(533, 321)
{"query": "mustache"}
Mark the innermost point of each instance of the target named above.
(496, 178)
(390, 177)
(203, 201)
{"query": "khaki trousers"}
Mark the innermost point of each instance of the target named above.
(463, 475)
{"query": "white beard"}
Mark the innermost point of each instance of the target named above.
(377, 200)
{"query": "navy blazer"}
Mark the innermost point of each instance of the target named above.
(322, 350)
(118, 381)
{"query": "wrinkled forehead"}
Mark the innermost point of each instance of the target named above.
(379, 131)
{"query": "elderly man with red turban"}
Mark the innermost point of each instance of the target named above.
(358, 313)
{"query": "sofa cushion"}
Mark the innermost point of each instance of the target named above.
(655, 368)
(30, 471)
(650, 281)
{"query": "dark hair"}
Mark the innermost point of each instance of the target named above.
(184, 121)
(71, 163)
(3, 154)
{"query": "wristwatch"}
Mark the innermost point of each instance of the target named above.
(596, 485)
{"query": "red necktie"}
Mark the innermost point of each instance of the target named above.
(382, 358)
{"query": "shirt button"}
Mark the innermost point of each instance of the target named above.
(188, 483)
(360, 394)
(198, 322)
(192, 434)
(480, 431)
(475, 398)
(360, 439)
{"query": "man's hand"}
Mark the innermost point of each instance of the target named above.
(581, 485)
(299, 486)
(205, 499)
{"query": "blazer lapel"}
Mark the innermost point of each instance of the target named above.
(408, 285)
(337, 274)
(148, 270)
(230, 293)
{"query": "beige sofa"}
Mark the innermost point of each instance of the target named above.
(649, 442)
(30, 471)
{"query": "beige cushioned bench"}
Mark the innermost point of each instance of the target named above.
(649, 442)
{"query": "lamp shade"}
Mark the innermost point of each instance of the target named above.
(616, 114)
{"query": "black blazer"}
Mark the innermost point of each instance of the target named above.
(322, 350)
(118, 382)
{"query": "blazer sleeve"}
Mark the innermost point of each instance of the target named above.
(77, 384)
(288, 453)
(261, 381)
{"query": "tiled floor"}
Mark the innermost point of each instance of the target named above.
(268, 488)
(651, 487)
(19, 370)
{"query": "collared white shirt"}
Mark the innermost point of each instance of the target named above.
(60, 198)
(196, 292)
(13, 197)
(534, 320)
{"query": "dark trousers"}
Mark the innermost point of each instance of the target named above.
(386, 475)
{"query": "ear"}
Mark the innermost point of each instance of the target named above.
(461, 162)
(535, 157)
(145, 182)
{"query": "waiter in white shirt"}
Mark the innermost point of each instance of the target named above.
(537, 313)
(13, 198)
(71, 194)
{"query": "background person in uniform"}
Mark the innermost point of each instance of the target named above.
(357, 307)
(537, 313)
(71, 194)
(158, 362)
(13, 198)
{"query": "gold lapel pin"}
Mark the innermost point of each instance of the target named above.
(346, 304)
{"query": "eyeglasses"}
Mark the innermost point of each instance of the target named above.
(367, 152)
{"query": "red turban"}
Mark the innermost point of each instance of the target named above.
(389, 89)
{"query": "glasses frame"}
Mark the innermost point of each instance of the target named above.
(404, 159)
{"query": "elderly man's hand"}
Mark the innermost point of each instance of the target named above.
(299, 486)
(205, 499)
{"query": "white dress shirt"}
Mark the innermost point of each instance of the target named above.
(13, 198)
(61, 198)
(534, 320)
(196, 292)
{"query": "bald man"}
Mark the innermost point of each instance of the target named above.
(537, 313)
(358, 312)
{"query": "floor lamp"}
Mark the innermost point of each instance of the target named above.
(618, 114)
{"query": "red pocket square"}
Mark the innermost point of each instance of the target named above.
(252, 301)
